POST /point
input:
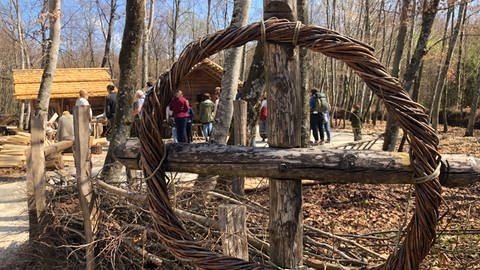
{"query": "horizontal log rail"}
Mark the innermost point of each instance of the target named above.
(57, 147)
(323, 165)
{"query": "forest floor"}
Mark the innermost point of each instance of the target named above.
(373, 214)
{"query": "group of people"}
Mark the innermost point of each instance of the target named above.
(320, 118)
(180, 116)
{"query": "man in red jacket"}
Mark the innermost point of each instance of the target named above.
(179, 106)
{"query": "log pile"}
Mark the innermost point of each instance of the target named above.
(13, 150)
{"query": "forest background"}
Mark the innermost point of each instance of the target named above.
(92, 32)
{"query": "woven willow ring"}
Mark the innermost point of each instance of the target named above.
(424, 157)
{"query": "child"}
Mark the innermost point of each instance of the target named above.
(356, 121)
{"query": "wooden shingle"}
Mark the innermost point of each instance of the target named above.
(67, 82)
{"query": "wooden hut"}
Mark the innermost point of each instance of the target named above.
(67, 82)
(203, 78)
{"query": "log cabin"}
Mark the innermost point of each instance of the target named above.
(203, 78)
(67, 82)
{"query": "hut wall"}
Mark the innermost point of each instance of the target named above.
(196, 84)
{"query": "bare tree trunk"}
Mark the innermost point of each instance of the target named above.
(429, 12)
(458, 79)
(473, 109)
(23, 53)
(41, 109)
(223, 118)
(43, 98)
(128, 61)
(444, 69)
(173, 29)
(209, 15)
(253, 88)
(146, 41)
(108, 39)
(391, 130)
(43, 27)
(302, 10)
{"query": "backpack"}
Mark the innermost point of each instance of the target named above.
(321, 103)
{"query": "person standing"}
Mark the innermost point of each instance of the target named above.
(65, 127)
(262, 125)
(83, 101)
(140, 99)
(356, 122)
(179, 106)
(206, 115)
(316, 116)
(110, 103)
(325, 113)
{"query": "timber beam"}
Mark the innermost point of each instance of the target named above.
(323, 165)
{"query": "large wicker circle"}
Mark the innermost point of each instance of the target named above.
(358, 56)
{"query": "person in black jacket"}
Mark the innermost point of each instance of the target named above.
(110, 103)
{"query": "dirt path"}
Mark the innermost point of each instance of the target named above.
(13, 215)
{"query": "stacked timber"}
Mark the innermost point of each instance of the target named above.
(97, 144)
(13, 150)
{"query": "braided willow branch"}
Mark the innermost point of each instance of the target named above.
(358, 56)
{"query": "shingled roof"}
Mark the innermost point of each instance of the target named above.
(67, 82)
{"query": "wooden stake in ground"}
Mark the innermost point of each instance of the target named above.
(240, 131)
(84, 185)
(232, 219)
(284, 131)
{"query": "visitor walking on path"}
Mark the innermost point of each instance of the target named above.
(356, 121)
(325, 111)
(206, 115)
(179, 106)
(316, 116)
(110, 103)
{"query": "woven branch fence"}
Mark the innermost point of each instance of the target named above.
(424, 157)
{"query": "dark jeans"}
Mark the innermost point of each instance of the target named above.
(181, 126)
(316, 125)
(189, 132)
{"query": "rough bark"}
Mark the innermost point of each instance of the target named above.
(128, 61)
(233, 226)
(253, 89)
(146, 41)
(284, 98)
(444, 68)
(391, 130)
(302, 10)
(223, 118)
(323, 165)
(43, 97)
(86, 195)
(429, 12)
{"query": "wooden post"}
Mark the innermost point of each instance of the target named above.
(22, 115)
(233, 226)
(28, 115)
(84, 185)
(240, 131)
(36, 173)
(284, 131)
